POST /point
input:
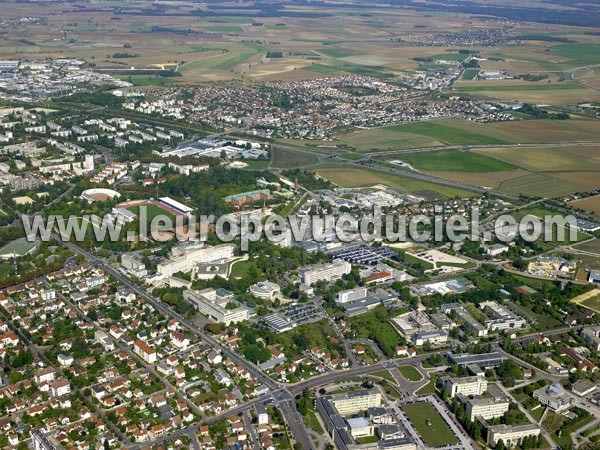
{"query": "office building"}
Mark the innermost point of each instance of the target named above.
(133, 265)
(398, 444)
(186, 258)
(351, 295)
(554, 397)
(433, 337)
(218, 305)
(265, 290)
(485, 360)
(501, 318)
(360, 427)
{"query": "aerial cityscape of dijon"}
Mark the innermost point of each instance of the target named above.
(299, 224)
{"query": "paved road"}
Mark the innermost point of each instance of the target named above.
(289, 412)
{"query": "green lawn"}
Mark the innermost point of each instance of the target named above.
(5, 270)
(457, 161)
(240, 268)
(410, 373)
(256, 164)
(151, 212)
(19, 247)
(385, 374)
(537, 413)
(412, 259)
(448, 134)
(429, 388)
(430, 425)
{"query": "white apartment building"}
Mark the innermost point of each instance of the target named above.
(511, 435)
(353, 402)
(591, 335)
(146, 352)
(214, 304)
(465, 386)
(488, 408)
(328, 272)
(60, 387)
(45, 375)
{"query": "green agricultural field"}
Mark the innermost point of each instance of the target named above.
(336, 52)
(456, 161)
(290, 159)
(147, 80)
(225, 19)
(539, 185)
(470, 74)
(386, 138)
(336, 66)
(578, 54)
(226, 29)
(430, 425)
(519, 87)
(410, 373)
(449, 56)
(220, 62)
(351, 177)
(449, 134)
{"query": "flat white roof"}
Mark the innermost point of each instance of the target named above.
(175, 204)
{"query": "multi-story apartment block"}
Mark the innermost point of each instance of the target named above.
(331, 271)
(487, 408)
(465, 386)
